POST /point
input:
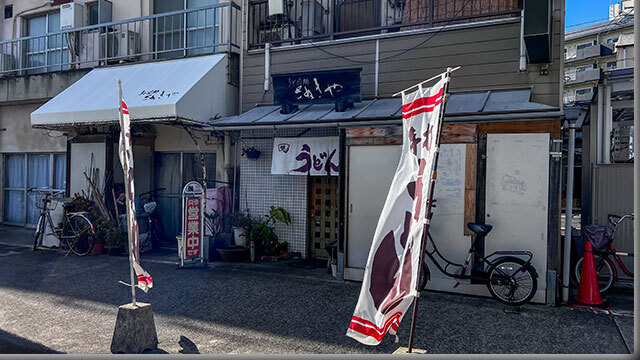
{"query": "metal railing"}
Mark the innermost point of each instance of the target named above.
(205, 30)
(578, 77)
(304, 20)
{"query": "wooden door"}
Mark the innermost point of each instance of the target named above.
(323, 214)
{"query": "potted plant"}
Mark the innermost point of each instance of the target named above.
(261, 231)
(240, 222)
(114, 240)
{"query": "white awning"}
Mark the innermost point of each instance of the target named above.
(192, 89)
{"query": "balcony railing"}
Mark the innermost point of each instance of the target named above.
(579, 77)
(589, 52)
(205, 30)
(305, 20)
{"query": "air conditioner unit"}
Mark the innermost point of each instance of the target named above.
(71, 16)
(120, 45)
(312, 18)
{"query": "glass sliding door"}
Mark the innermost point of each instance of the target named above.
(173, 170)
(201, 32)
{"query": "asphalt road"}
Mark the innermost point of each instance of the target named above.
(49, 303)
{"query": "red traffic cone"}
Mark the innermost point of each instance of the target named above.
(589, 292)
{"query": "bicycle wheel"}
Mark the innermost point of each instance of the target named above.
(604, 269)
(39, 233)
(510, 282)
(424, 278)
(79, 235)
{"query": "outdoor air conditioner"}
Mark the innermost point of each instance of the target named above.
(312, 18)
(121, 45)
(71, 16)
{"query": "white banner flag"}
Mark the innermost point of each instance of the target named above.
(316, 156)
(126, 159)
(391, 273)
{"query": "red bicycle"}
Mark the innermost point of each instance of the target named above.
(605, 267)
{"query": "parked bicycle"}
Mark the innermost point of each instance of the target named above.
(602, 254)
(510, 279)
(77, 233)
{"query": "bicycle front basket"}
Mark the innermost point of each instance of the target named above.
(599, 235)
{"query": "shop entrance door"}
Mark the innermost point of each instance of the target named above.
(323, 212)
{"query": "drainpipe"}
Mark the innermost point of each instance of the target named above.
(523, 49)
(566, 269)
(599, 125)
(377, 68)
(608, 126)
(267, 65)
(227, 157)
(636, 136)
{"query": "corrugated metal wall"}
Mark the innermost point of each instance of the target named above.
(613, 194)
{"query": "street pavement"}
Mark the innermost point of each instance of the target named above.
(49, 303)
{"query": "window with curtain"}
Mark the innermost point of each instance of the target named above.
(42, 172)
(14, 188)
(45, 53)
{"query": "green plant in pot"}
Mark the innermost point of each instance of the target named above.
(114, 239)
(240, 221)
(261, 231)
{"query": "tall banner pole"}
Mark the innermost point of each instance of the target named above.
(129, 229)
(427, 219)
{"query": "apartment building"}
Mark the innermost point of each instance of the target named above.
(59, 65)
(591, 49)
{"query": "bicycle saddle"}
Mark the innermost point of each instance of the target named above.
(480, 229)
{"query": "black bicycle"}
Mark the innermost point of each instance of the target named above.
(510, 279)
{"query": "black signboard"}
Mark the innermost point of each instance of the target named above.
(317, 87)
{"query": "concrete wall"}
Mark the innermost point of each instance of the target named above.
(19, 136)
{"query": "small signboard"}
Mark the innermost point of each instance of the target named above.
(192, 247)
(317, 87)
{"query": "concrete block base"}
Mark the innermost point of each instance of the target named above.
(135, 330)
(404, 350)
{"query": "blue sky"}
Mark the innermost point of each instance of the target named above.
(579, 11)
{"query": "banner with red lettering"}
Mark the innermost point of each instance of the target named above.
(126, 159)
(391, 273)
(193, 226)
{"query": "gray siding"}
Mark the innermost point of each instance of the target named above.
(488, 56)
(613, 194)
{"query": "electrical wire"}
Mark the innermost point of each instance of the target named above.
(319, 47)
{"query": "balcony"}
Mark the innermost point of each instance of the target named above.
(205, 30)
(589, 52)
(579, 77)
(305, 20)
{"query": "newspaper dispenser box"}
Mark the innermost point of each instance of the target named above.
(190, 243)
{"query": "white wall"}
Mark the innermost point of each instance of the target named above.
(81, 154)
